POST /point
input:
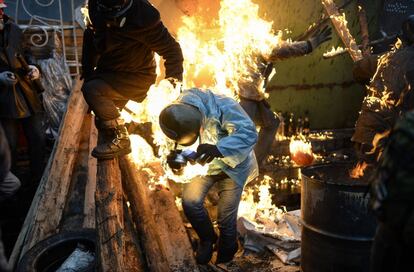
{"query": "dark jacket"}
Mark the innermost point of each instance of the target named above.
(5, 161)
(124, 57)
(21, 100)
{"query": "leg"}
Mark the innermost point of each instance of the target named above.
(194, 194)
(230, 193)
(103, 99)
(11, 129)
(9, 186)
(386, 250)
(33, 130)
(113, 136)
(268, 129)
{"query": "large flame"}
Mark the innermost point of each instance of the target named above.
(217, 53)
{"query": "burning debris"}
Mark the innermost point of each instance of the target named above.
(301, 152)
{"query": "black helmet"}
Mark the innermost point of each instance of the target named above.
(181, 123)
(114, 8)
(408, 30)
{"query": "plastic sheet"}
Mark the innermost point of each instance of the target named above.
(57, 84)
(80, 260)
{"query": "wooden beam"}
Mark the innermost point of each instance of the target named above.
(134, 183)
(109, 216)
(340, 24)
(45, 212)
(158, 217)
(89, 208)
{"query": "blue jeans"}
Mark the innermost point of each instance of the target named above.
(194, 194)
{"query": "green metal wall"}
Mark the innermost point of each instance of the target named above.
(324, 88)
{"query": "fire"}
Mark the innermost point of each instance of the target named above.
(253, 210)
(218, 53)
(301, 152)
(334, 52)
(358, 171)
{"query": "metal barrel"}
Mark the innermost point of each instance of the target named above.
(338, 227)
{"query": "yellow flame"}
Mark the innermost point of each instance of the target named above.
(301, 151)
(358, 171)
(253, 210)
(218, 53)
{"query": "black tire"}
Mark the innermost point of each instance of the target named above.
(49, 254)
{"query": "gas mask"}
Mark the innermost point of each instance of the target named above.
(114, 11)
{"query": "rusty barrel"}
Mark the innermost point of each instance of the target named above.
(338, 227)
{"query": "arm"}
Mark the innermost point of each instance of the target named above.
(89, 54)
(242, 134)
(159, 40)
(289, 50)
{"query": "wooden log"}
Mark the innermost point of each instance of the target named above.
(73, 215)
(109, 216)
(161, 215)
(341, 27)
(133, 258)
(138, 196)
(89, 208)
(45, 212)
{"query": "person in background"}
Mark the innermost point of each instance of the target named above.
(389, 93)
(392, 199)
(227, 136)
(251, 87)
(20, 104)
(118, 64)
(9, 184)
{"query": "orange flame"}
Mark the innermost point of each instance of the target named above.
(301, 152)
(358, 171)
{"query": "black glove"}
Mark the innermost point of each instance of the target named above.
(320, 36)
(172, 162)
(206, 153)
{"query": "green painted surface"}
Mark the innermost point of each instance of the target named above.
(330, 103)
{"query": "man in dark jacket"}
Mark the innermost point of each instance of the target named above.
(119, 65)
(19, 101)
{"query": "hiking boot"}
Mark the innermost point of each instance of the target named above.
(114, 140)
(226, 254)
(204, 252)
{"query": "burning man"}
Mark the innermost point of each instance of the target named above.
(226, 135)
(389, 93)
(251, 88)
(118, 64)
(20, 104)
(393, 200)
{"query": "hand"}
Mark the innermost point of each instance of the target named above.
(34, 73)
(206, 153)
(320, 36)
(173, 163)
(174, 81)
(8, 78)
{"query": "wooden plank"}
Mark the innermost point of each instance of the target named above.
(45, 212)
(133, 258)
(89, 208)
(163, 219)
(134, 183)
(109, 216)
(341, 27)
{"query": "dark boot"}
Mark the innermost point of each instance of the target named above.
(114, 140)
(205, 251)
(225, 253)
